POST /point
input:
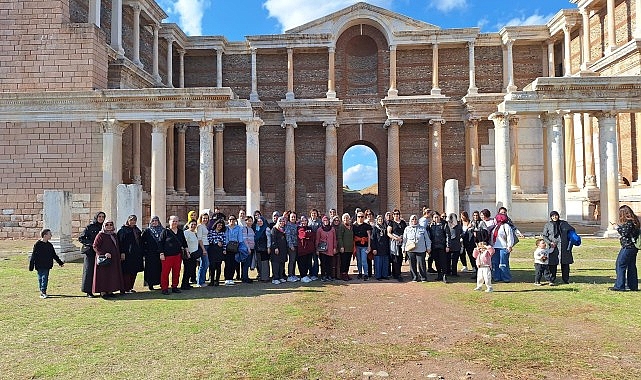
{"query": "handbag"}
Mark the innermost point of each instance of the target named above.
(103, 261)
(410, 246)
(322, 246)
(232, 247)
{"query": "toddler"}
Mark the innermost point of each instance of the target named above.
(483, 255)
(540, 260)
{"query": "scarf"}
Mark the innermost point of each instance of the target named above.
(156, 230)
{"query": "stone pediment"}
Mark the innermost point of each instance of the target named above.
(336, 22)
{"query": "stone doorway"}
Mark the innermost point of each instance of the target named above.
(360, 178)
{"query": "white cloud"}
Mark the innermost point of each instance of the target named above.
(293, 13)
(190, 14)
(448, 5)
(360, 176)
(535, 19)
(482, 22)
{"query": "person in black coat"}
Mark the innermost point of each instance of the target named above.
(439, 233)
(151, 252)
(555, 234)
(42, 259)
(86, 238)
(380, 248)
(130, 243)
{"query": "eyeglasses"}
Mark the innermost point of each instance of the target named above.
(360, 216)
(109, 224)
(397, 213)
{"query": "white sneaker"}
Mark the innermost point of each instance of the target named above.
(464, 269)
(478, 288)
(43, 295)
(489, 290)
(314, 278)
(282, 281)
(306, 279)
(275, 282)
(229, 283)
(291, 279)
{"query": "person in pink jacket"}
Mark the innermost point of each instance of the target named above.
(326, 244)
(483, 255)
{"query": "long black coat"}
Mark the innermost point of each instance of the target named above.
(380, 240)
(130, 243)
(151, 253)
(87, 238)
(560, 238)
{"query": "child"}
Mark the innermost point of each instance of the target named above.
(42, 260)
(540, 260)
(483, 255)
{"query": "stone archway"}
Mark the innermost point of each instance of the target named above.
(361, 177)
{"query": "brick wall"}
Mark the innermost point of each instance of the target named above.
(454, 74)
(489, 68)
(237, 73)
(271, 71)
(200, 70)
(414, 71)
(528, 64)
(310, 74)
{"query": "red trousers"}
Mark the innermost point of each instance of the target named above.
(170, 264)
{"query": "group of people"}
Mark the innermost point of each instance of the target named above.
(289, 248)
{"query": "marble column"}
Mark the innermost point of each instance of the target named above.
(567, 51)
(474, 156)
(290, 165)
(611, 32)
(206, 194)
(181, 76)
(253, 96)
(170, 61)
(331, 88)
(551, 68)
(219, 159)
(116, 28)
(435, 88)
(136, 39)
(436, 165)
(252, 163)
(588, 159)
(290, 74)
(393, 163)
(180, 160)
(510, 67)
(393, 91)
(502, 160)
(553, 124)
(170, 160)
(515, 185)
(159, 169)
(111, 163)
(585, 41)
(472, 90)
(570, 157)
(155, 73)
(219, 68)
(331, 165)
(637, 11)
(94, 12)
(136, 178)
(608, 170)
(620, 175)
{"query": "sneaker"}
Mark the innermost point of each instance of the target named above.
(478, 288)
(282, 281)
(314, 278)
(229, 282)
(444, 279)
(306, 279)
(291, 279)
(365, 278)
(324, 279)
(537, 284)
(275, 282)
(489, 290)
(43, 295)
(464, 269)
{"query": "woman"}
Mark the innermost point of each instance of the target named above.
(456, 231)
(502, 241)
(151, 252)
(380, 249)
(362, 243)
(345, 239)
(395, 231)
(248, 238)
(86, 238)
(202, 232)
(130, 243)
(172, 245)
(108, 278)
(335, 261)
(628, 228)
(279, 251)
(291, 233)
(234, 233)
(416, 244)
(439, 232)
(315, 223)
(262, 245)
(555, 234)
(326, 247)
(194, 253)
(474, 228)
(217, 245)
(306, 248)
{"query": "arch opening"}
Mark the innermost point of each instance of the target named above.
(360, 178)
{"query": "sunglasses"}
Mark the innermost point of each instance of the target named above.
(360, 216)
(109, 224)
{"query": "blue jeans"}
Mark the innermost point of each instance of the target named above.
(43, 280)
(381, 266)
(501, 265)
(314, 270)
(361, 260)
(202, 269)
(627, 262)
(244, 267)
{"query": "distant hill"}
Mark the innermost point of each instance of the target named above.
(372, 189)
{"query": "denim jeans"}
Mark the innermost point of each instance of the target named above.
(418, 269)
(244, 267)
(381, 266)
(43, 279)
(627, 262)
(314, 270)
(501, 265)
(361, 260)
(202, 269)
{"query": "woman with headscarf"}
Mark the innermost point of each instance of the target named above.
(380, 248)
(279, 251)
(326, 248)
(87, 238)
(416, 244)
(108, 278)
(628, 228)
(503, 241)
(555, 234)
(262, 246)
(217, 245)
(335, 261)
(130, 242)
(151, 252)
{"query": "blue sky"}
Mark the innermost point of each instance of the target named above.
(236, 19)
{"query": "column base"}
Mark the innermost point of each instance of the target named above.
(392, 93)
(253, 97)
(510, 89)
(476, 189)
(171, 191)
(473, 91)
(609, 233)
(137, 180)
(289, 96)
(571, 188)
(587, 73)
(435, 91)
(139, 64)
(219, 192)
(331, 94)
(182, 192)
(516, 189)
(157, 80)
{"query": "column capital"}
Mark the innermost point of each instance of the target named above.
(331, 49)
(389, 122)
(331, 124)
(160, 126)
(472, 121)
(604, 115)
(182, 127)
(219, 127)
(288, 123)
(437, 122)
(181, 52)
(470, 44)
(156, 26)
(551, 118)
(253, 50)
(136, 7)
(113, 126)
(392, 47)
(509, 42)
(252, 125)
(170, 38)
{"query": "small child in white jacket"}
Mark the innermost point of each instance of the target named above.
(540, 260)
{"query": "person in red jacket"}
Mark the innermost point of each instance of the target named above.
(326, 245)
(306, 248)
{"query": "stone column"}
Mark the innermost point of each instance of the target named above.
(159, 169)
(290, 165)
(585, 41)
(180, 160)
(553, 124)
(116, 28)
(129, 203)
(56, 216)
(94, 12)
(570, 158)
(331, 165)
(588, 159)
(620, 175)
(290, 74)
(474, 156)
(170, 61)
(170, 160)
(252, 153)
(510, 67)
(436, 165)
(611, 32)
(435, 89)
(331, 88)
(181, 76)
(111, 163)
(253, 96)
(609, 170)
(136, 178)
(567, 51)
(551, 68)
(206, 172)
(502, 160)
(515, 184)
(219, 68)
(393, 163)
(392, 72)
(136, 39)
(451, 197)
(220, 163)
(472, 90)
(155, 73)
(637, 11)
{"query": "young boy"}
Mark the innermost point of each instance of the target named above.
(540, 260)
(42, 260)
(483, 255)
